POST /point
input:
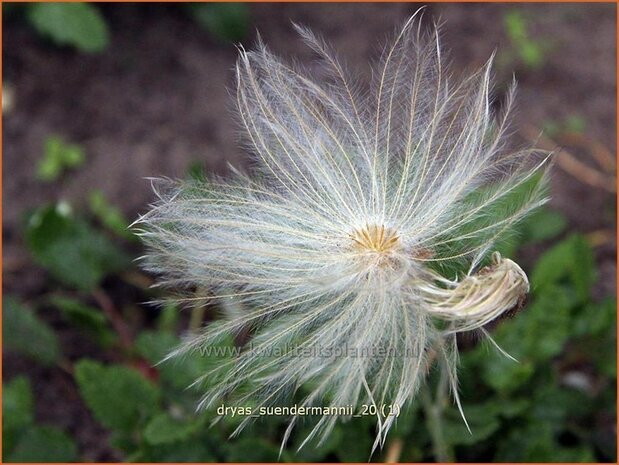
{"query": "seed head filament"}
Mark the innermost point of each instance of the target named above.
(375, 238)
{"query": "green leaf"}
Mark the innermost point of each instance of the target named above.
(17, 403)
(24, 332)
(551, 128)
(17, 410)
(194, 450)
(505, 375)
(575, 124)
(572, 260)
(44, 444)
(196, 172)
(578, 454)
(595, 327)
(358, 437)
(80, 25)
(531, 54)
(163, 429)
(125, 441)
(496, 204)
(58, 156)
(555, 405)
(110, 216)
(510, 408)
(119, 397)
(535, 442)
(168, 318)
(542, 328)
(85, 317)
(407, 420)
(606, 363)
(181, 372)
(313, 452)
(253, 449)
(596, 319)
(77, 312)
(515, 25)
(534, 336)
(154, 346)
(70, 249)
(482, 421)
(542, 225)
(226, 21)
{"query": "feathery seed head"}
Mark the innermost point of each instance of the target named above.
(363, 227)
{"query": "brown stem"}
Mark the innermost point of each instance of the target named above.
(137, 279)
(603, 157)
(197, 317)
(113, 315)
(570, 163)
(65, 365)
(394, 451)
(600, 237)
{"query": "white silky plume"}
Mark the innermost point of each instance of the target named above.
(350, 228)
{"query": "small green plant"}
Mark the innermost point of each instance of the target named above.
(545, 407)
(572, 124)
(23, 331)
(525, 50)
(109, 216)
(58, 156)
(225, 21)
(78, 25)
(82, 25)
(69, 247)
(23, 439)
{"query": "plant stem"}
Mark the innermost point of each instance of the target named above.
(394, 451)
(196, 318)
(114, 317)
(433, 411)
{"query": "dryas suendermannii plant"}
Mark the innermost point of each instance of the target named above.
(345, 235)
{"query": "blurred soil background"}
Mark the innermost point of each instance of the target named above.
(157, 102)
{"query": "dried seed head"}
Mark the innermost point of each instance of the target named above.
(343, 235)
(480, 297)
